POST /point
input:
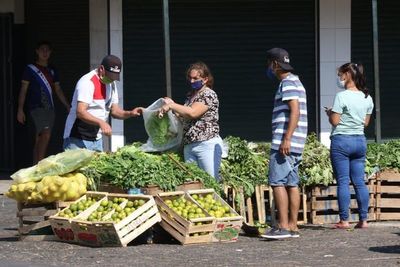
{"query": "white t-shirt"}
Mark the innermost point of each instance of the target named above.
(99, 97)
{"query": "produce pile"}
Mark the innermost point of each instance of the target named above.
(130, 167)
(383, 156)
(51, 188)
(315, 167)
(246, 165)
(53, 178)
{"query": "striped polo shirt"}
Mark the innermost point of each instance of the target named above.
(289, 88)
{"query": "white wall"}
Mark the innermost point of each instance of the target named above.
(335, 50)
(117, 139)
(99, 48)
(13, 6)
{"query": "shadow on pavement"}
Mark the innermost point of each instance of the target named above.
(386, 249)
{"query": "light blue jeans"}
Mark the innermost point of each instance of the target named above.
(74, 143)
(207, 155)
(348, 162)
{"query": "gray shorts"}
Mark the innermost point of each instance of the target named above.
(43, 119)
(284, 170)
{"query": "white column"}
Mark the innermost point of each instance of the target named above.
(335, 50)
(99, 48)
(118, 138)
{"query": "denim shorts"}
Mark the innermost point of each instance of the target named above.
(284, 170)
(74, 143)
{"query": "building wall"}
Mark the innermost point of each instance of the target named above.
(101, 46)
(335, 50)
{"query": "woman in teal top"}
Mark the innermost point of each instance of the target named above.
(350, 114)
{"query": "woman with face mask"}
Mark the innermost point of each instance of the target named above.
(199, 114)
(350, 114)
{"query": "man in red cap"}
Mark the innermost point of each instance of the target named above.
(95, 98)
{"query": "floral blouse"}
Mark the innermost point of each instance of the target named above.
(205, 127)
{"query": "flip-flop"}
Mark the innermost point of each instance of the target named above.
(359, 226)
(340, 226)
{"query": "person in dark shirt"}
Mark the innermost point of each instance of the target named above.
(39, 81)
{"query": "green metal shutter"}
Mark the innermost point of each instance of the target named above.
(389, 56)
(361, 46)
(232, 38)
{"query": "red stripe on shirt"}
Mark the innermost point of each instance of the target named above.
(99, 88)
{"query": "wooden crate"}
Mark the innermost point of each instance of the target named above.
(151, 190)
(35, 218)
(185, 231)
(110, 188)
(193, 185)
(261, 206)
(387, 195)
(119, 234)
(323, 204)
(226, 228)
(62, 227)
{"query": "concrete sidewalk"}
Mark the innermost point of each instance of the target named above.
(4, 185)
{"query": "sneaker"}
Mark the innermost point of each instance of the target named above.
(277, 234)
(294, 234)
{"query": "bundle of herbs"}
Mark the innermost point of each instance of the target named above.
(130, 167)
(244, 168)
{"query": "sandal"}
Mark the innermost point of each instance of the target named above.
(340, 225)
(361, 225)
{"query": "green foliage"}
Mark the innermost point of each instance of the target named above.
(243, 167)
(383, 156)
(157, 129)
(315, 167)
(129, 167)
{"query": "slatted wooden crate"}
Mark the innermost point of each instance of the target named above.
(34, 218)
(226, 228)
(388, 195)
(120, 233)
(261, 206)
(62, 226)
(193, 231)
(323, 204)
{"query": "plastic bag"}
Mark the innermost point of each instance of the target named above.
(164, 133)
(58, 164)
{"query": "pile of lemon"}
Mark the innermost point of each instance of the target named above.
(67, 187)
(214, 207)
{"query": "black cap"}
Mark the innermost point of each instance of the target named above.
(112, 64)
(281, 56)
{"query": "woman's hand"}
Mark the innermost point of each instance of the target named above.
(136, 111)
(21, 116)
(168, 100)
(164, 109)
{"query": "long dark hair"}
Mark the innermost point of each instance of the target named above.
(357, 75)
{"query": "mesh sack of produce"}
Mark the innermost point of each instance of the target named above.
(59, 164)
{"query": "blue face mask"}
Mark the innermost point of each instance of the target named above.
(270, 74)
(197, 85)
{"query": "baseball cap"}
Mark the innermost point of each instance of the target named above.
(281, 56)
(112, 64)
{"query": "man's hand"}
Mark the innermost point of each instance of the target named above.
(284, 148)
(106, 128)
(136, 112)
(21, 116)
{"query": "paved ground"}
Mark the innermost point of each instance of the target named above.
(318, 246)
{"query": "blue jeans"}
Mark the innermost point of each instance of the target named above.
(207, 155)
(348, 162)
(74, 143)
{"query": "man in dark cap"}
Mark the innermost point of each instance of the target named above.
(95, 98)
(289, 133)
